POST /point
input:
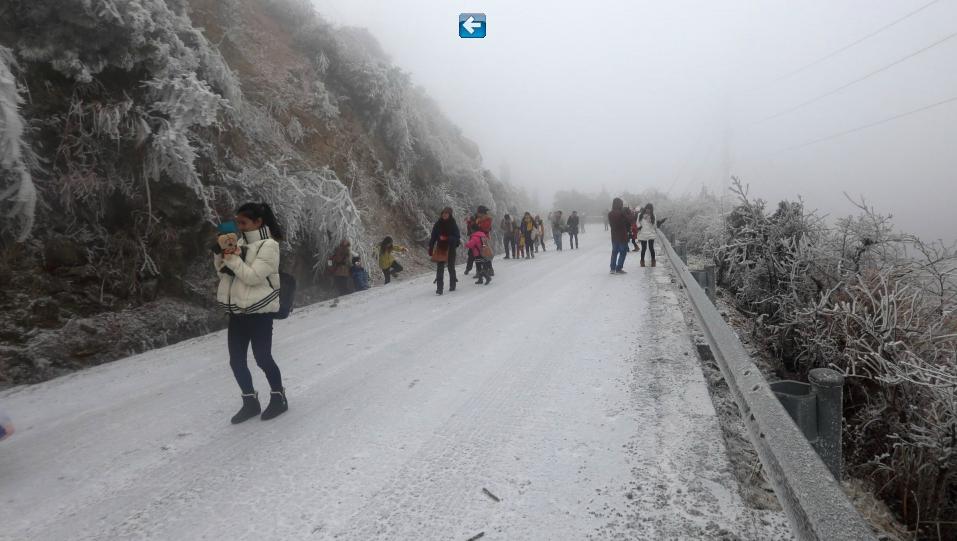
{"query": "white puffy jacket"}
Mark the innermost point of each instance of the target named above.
(648, 231)
(255, 287)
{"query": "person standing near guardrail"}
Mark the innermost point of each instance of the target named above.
(647, 232)
(618, 221)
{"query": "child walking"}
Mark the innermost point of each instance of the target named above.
(480, 246)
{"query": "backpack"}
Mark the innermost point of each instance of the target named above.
(486, 249)
(287, 294)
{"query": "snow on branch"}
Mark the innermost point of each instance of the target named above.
(18, 195)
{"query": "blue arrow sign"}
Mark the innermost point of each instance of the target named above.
(471, 25)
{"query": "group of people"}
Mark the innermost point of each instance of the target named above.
(522, 238)
(346, 269)
(626, 225)
(246, 260)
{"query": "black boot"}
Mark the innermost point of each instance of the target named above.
(277, 405)
(488, 279)
(250, 409)
(452, 283)
(439, 286)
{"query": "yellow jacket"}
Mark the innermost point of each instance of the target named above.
(386, 259)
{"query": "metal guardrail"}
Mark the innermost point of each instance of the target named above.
(813, 501)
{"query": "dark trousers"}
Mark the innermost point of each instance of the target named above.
(542, 239)
(469, 263)
(619, 250)
(483, 267)
(573, 240)
(529, 252)
(509, 246)
(558, 241)
(440, 271)
(649, 245)
(391, 271)
(342, 284)
(257, 329)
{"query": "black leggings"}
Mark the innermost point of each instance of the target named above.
(255, 328)
(649, 244)
(391, 271)
(529, 244)
(440, 271)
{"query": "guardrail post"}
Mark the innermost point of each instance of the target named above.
(682, 251)
(828, 385)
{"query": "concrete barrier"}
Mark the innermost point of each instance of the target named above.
(813, 500)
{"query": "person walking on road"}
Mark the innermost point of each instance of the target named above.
(387, 263)
(528, 231)
(481, 247)
(445, 239)
(249, 292)
(557, 229)
(618, 222)
(647, 232)
(481, 220)
(573, 222)
(507, 238)
(540, 226)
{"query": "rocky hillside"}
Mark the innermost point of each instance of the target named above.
(129, 127)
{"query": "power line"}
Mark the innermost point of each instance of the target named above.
(859, 79)
(859, 41)
(866, 126)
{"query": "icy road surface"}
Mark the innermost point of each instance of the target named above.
(570, 395)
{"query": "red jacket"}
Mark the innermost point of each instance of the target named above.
(484, 222)
(620, 222)
(475, 243)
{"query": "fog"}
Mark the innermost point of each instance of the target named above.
(679, 95)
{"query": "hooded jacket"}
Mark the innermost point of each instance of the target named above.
(249, 290)
(620, 222)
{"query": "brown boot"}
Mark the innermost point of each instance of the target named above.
(653, 263)
(642, 262)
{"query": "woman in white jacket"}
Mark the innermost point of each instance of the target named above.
(647, 232)
(249, 293)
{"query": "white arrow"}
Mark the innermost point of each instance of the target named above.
(470, 25)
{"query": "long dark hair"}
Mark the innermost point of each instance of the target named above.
(385, 242)
(650, 210)
(256, 211)
(445, 226)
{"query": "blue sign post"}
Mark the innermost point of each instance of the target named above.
(471, 25)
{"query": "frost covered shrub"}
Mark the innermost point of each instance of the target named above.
(17, 193)
(876, 305)
(314, 207)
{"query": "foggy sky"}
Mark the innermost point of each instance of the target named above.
(629, 94)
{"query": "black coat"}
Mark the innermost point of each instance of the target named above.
(450, 229)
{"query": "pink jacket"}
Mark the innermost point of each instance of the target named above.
(475, 242)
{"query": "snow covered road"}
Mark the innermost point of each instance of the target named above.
(572, 396)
